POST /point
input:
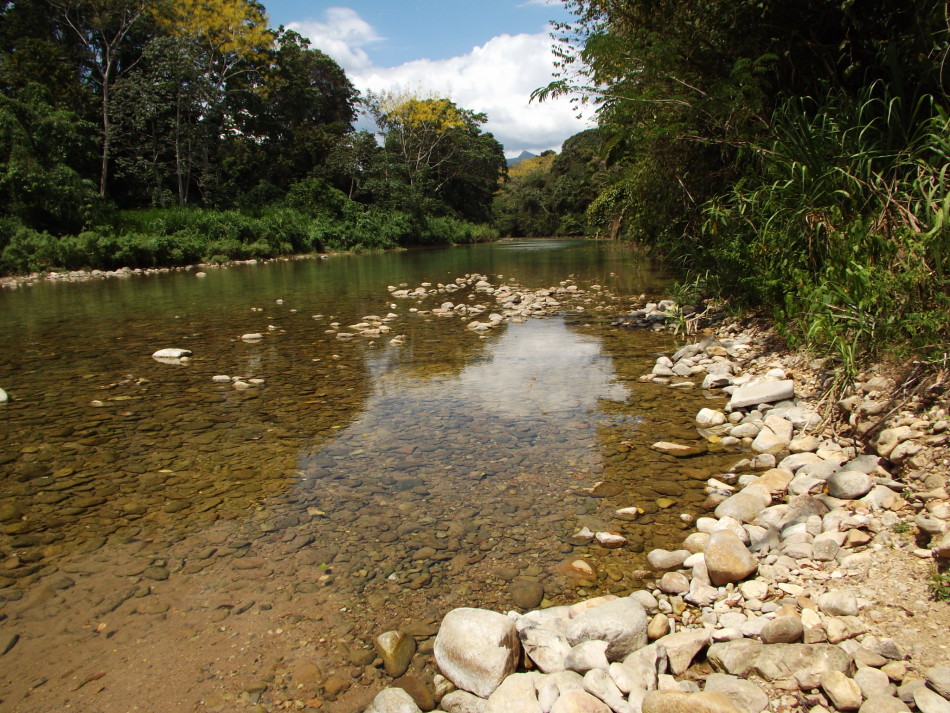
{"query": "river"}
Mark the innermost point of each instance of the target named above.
(172, 543)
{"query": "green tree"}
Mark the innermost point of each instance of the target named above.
(104, 29)
(439, 149)
(40, 149)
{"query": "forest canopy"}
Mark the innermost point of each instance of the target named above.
(126, 121)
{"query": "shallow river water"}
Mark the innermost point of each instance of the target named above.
(171, 543)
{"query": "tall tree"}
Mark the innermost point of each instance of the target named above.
(440, 148)
(104, 28)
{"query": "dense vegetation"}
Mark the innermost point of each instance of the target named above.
(144, 132)
(791, 154)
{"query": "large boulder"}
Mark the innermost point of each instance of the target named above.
(727, 559)
(622, 623)
(476, 649)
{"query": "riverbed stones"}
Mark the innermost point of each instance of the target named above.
(4, 398)
(171, 353)
(476, 649)
(727, 558)
(526, 594)
(622, 623)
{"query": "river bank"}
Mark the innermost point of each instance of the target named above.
(805, 588)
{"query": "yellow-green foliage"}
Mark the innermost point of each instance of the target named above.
(535, 164)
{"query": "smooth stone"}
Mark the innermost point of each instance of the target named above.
(849, 484)
(3, 397)
(872, 682)
(622, 623)
(396, 649)
(838, 603)
(171, 353)
(463, 702)
(679, 702)
(666, 560)
(677, 450)
(745, 695)
(930, 702)
(782, 630)
(673, 583)
(526, 594)
(579, 702)
(658, 627)
(842, 691)
(939, 679)
(762, 393)
(746, 505)
(516, 694)
(883, 704)
(476, 649)
(393, 700)
(727, 559)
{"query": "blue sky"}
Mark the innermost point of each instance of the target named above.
(486, 55)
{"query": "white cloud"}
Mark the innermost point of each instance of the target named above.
(343, 36)
(496, 78)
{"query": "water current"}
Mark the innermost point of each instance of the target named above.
(171, 543)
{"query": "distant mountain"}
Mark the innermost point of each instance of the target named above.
(521, 157)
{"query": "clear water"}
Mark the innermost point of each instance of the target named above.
(387, 482)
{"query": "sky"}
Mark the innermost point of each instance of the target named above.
(485, 55)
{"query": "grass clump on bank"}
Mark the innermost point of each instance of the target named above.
(841, 226)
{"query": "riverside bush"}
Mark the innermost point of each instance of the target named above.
(841, 225)
(182, 236)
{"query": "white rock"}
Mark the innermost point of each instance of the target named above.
(762, 393)
(3, 397)
(599, 684)
(622, 623)
(707, 418)
(579, 702)
(252, 337)
(393, 700)
(516, 694)
(476, 649)
(463, 702)
(171, 354)
(587, 655)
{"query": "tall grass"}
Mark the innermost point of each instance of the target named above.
(844, 227)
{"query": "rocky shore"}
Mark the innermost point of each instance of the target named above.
(803, 589)
(13, 282)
